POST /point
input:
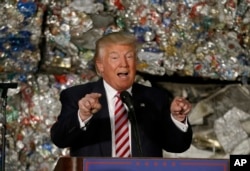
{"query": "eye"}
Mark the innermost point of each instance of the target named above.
(114, 57)
(130, 56)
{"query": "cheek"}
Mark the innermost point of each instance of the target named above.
(111, 65)
(132, 65)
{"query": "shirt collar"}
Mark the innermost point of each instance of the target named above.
(111, 92)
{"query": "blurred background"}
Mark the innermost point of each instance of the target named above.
(198, 49)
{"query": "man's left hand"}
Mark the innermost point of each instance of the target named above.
(180, 108)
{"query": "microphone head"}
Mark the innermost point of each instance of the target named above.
(127, 99)
(125, 95)
(8, 85)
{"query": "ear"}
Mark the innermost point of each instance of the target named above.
(99, 66)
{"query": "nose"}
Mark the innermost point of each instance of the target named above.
(124, 62)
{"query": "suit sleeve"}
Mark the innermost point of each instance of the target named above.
(173, 138)
(154, 118)
(66, 129)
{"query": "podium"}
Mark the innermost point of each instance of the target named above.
(140, 164)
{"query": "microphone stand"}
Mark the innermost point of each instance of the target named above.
(4, 87)
(134, 126)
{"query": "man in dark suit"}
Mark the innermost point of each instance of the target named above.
(86, 122)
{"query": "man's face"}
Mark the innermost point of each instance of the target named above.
(117, 66)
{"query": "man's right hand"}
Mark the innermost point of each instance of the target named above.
(88, 105)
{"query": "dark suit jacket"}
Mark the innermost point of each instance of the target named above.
(152, 107)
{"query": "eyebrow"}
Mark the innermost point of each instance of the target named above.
(115, 52)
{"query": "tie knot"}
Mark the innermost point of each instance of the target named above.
(118, 94)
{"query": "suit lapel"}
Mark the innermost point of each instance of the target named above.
(137, 96)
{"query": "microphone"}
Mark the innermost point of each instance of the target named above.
(5, 87)
(8, 85)
(127, 99)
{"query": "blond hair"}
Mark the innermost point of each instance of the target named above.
(120, 38)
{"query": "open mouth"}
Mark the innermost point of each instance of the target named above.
(122, 74)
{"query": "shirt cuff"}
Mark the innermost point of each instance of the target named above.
(83, 123)
(183, 126)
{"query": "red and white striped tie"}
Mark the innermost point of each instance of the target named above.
(122, 145)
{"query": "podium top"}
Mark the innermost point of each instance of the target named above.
(139, 164)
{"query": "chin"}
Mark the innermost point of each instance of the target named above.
(124, 87)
